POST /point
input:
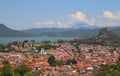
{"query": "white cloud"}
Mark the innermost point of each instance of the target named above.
(78, 16)
(51, 24)
(37, 23)
(101, 23)
(108, 24)
(108, 19)
(44, 24)
(82, 20)
(110, 15)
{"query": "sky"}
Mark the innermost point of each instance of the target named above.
(27, 14)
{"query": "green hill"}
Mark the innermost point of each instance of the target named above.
(82, 33)
(7, 32)
(105, 37)
(54, 32)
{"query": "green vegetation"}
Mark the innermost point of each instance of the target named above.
(108, 38)
(7, 32)
(4, 48)
(53, 62)
(71, 61)
(46, 46)
(5, 62)
(108, 70)
(6, 70)
(53, 32)
(22, 69)
(104, 38)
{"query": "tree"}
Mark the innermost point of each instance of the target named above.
(115, 73)
(16, 74)
(108, 70)
(59, 63)
(71, 61)
(46, 46)
(51, 60)
(22, 69)
(5, 62)
(7, 71)
(28, 74)
(2, 46)
(37, 73)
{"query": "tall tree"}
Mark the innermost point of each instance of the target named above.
(6, 71)
(51, 60)
(22, 69)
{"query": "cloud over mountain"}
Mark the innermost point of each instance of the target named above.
(51, 24)
(78, 16)
(110, 15)
(80, 19)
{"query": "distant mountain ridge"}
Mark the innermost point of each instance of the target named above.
(45, 30)
(55, 32)
(82, 33)
(7, 32)
(106, 37)
(70, 32)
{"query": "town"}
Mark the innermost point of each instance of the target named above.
(59, 37)
(71, 59)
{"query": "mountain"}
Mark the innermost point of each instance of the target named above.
(115, 30)
(62, 32)
(7, 32)
(82, 33)
(45, 30)
(85, 26)
(85, 32)
(106, 37)
(39, 31)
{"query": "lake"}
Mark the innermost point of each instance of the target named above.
(5, 40)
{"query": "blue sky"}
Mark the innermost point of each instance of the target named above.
(25, 14)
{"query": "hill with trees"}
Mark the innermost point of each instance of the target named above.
(7, 32)
(108, 70)
(105, 37)
(55, 32)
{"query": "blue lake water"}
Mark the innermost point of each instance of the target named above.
(5, 40)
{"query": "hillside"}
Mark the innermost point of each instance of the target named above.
(39, 31)
(105, 37)
(82, 33)
(62, 32)
(54, 32)
(116, 30)
(7, 32)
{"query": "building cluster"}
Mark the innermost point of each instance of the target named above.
(23, 46)
(89, 58)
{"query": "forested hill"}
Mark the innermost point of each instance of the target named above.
(61, 32)
(7, 32)
(105, 37)
(54, 32)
